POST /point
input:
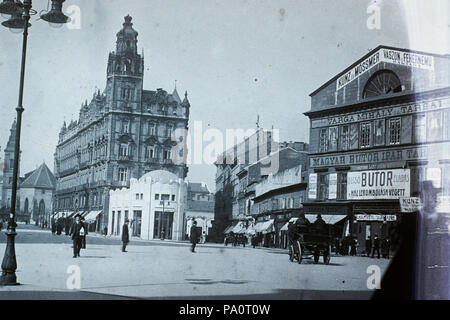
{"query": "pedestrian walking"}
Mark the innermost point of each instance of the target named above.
(77, 232)
(67, 225)
(53, 227)
(105, 231)
(194, 236)
(353, 247)
(83, 238)
(368, 245)
(376, 247)
(58, 228)
(125, 236)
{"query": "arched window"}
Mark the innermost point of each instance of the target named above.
(41, 208)
(380, 83)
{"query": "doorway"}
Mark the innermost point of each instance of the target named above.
(163, 222)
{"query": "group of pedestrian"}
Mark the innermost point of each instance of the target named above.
(384, 245)
(347, 246)
(236, 239)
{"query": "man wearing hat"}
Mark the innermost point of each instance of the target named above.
(125, 235)
(194, 235)
(83, 238)
(77, 231)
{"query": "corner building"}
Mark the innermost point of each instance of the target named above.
(122, 133)
(377, 129)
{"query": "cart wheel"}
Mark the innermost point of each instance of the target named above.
(291, 253)
(299, 254)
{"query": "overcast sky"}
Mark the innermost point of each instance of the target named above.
(236, 58)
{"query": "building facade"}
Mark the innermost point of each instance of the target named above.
(200, 207)
(377, 129)
(8, 168)
(250, 165)
(155, 205)
(228, 165)
(122, 133)
(36, 196)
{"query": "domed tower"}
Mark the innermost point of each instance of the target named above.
(125, 72)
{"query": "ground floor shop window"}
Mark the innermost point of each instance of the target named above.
(163, 225)
(137, 223)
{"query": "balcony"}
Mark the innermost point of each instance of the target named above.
(151, 160)
(125, 158)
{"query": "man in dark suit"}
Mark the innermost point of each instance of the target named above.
(125, 235)
(194, 235)
(83, 238)
(77, 232)
(376, 247)
(368, 246)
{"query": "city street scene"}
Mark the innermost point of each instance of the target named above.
(224, 150)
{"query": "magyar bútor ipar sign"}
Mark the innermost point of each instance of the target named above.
(409, 59)
(378, 184)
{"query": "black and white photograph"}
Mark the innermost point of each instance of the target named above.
(224, 150)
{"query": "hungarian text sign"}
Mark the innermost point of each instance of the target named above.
(378, 184)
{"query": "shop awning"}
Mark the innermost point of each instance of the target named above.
(251, 230)
(328, 218)
(285, 227)
(230, 228)
(70, 214)
(239, 228)
(92, 216)
(264, 227)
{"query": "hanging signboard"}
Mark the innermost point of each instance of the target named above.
(378, 184)
(332, 186)
(410, 204)
(376, 217)
(312, 186)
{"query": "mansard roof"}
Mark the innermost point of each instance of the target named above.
(197, 187)
(42, 178)
(160, 96)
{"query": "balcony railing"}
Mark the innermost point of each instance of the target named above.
(125, 158)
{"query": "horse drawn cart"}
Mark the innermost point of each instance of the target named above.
(313, 242)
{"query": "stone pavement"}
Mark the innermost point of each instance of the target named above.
(173, 272)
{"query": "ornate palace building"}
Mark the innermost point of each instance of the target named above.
(122, 133)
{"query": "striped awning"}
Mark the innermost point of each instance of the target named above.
(92, 216)
(285, 227)
(328, 218)
(264, 227)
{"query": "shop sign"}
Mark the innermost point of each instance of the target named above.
(372, 157)
(410, 204)
(376, 217)
(382, 113)
(312, 186)
(408, 59)
(332, 186)
(378, 184)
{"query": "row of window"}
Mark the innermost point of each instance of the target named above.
(124, 126)
(423, 127)
(150, 152)
(164, 197)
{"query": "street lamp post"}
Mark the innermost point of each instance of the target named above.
(15, 9)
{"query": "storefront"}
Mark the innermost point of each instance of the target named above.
(377, 130)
